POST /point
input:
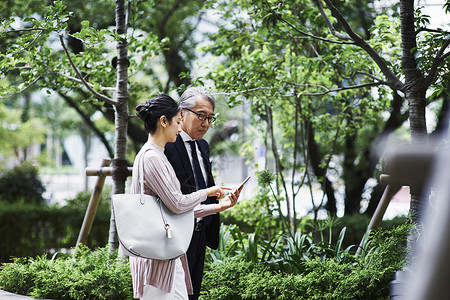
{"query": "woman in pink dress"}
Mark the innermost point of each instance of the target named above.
(167, 279)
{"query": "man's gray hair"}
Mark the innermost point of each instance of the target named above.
(189, 97)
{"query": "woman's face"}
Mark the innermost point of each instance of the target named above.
(174, 128)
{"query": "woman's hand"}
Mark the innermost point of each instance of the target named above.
(218, 191)
(228, 202)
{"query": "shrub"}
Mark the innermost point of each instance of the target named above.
(83, 275)
(314, 273)
(247, 213)
(21, 184)
(357, 225)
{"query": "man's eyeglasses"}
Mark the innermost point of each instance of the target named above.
(202, 117)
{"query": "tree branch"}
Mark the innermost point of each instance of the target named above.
(91, 124)
(313, 36)
(77, 71)
(327, 91)
(329, 24)
(24, 29)
(23, 89)
(168, 15)
(90, 84)
(189, 33)
(371, 76)
(243, 91)
(352, 76)
(28, 29)
(96, 94)
(393, 81)
(431, 30)
(440, 57)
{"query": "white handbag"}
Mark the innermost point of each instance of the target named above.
(147, 228)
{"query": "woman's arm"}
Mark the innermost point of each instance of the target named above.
(203, 210)
(160, 178)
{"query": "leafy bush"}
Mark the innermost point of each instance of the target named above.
(329, 279)
(338, 277)
(357, 225)
(83, 275)
(21, 184)
(247, 214)
(235, 278)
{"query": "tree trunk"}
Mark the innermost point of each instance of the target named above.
(418, 137)
(316, 161)
(119, 163)
(278, 166)
(352, 174)
(414, 92)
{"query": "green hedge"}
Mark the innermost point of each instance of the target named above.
(366, 277)
(30, 230)
(236, 279)
(85, 274)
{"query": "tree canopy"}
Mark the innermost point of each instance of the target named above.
(335, 88)
(326, 81)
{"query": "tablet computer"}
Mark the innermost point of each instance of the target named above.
(243, 182)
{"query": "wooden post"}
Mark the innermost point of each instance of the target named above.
(404, 167)
(93, 204)
(388, 193)
(104, 171)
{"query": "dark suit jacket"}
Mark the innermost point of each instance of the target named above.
(178, 157)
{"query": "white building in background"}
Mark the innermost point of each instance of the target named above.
(65, 184)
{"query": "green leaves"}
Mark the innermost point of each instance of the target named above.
(302, 268)
(83, 275)
(17, 134)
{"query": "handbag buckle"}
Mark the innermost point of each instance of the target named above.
(168, 231)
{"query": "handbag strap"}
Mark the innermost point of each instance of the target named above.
(141, 184)
(141, 171)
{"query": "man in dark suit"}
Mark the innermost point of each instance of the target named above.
(189, 156)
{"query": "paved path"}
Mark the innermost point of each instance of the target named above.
(10, 296)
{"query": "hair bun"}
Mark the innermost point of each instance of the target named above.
(143, 111)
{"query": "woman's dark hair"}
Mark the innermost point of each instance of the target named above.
(153, 109)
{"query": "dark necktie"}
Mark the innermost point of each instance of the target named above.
(196, 165)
